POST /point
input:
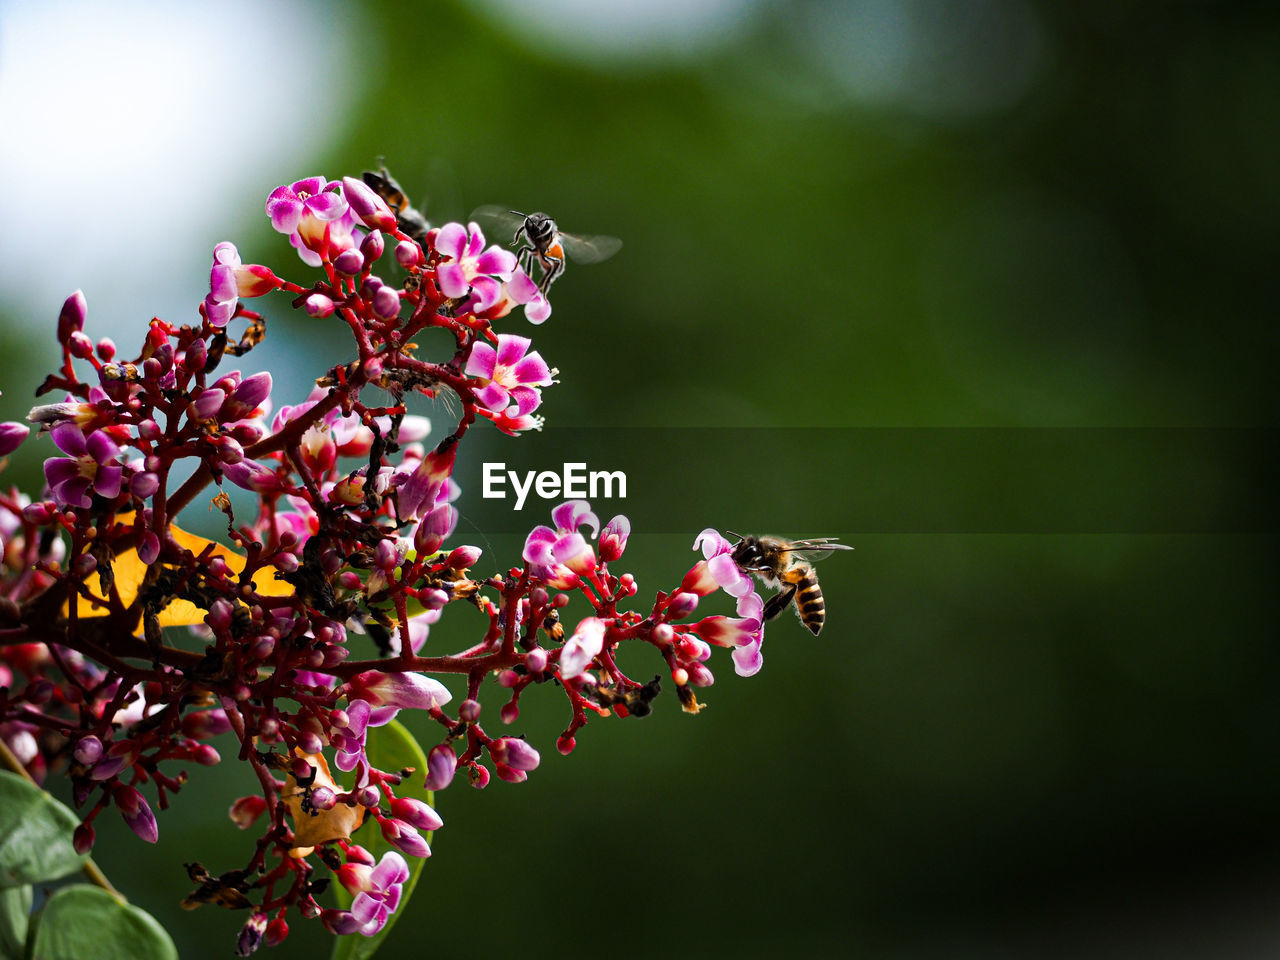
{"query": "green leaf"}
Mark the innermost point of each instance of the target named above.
(82, 921)
(35, 834)
(15, 907)
(389, 748)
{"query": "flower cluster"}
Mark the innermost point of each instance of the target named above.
(316, 612)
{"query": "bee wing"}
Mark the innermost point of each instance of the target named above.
(816, 549)
(498, 221)
(589, 249)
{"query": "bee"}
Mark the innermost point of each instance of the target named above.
(408, 218)
(538, 236)
(788, 565)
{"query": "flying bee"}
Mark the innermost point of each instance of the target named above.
(538, 236)
(408, 218)
(788, 565)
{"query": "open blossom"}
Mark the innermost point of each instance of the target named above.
(466, 259)
(508, 375)
(289, 204)
(376, 891)
(559, 556)
(89, 465)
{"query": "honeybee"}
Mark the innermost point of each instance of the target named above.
(541, 238)
(788, 565)
(408, 218)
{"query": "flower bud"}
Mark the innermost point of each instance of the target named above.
(318, 305)
(88, 750)
(565, 744)
(71, 318)
(441, 764)
(405, 838)
(469, 710)
(536, 661)
(80, 345)
(681, 605)
(408, 254)
(82, 839)
(277, 930)
(386, 302)
(515, 752)
(462, 558)
(367, 205)
(479, 776)
(613, 538)
(509, 713)
(133, 808)
(372, 246)
(415, 813)
(349, 262)
(11, 435)
(106, 349)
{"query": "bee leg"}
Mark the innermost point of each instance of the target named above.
(552, 267)
(779, 602)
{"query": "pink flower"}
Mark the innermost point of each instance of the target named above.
(11, 435)
(377, 891)
(89, 464)
(508, 375)
(466, 259)
(557, 557)
(288, 205)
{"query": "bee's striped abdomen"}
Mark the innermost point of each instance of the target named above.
(809, 603)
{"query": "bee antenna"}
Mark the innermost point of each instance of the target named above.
(518, 213)
(739, 537)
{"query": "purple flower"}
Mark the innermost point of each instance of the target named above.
(349, 740)
(558, 556)
(613, 538)
(414, 691)
(377, 891)
(287, 205)
(89, 464)
(508, 375)
(466, 259)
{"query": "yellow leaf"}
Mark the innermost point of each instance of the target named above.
(314, 827)
(130, 572)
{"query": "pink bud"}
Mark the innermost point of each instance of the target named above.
(348, 262)
(536, 661)
(11, 435)
(408, 254)
(681, 605)
(515, 752)
(509, 713)
(583, 647)
(415, 813)
(71, 319)
(509, 774)
(404, 837)
(277, 930)
(106, 349)
(462, 558)
(318, 305)
(469, 710)
(613, 538)
(136, 813)
(441, 764)
(386, 302)
(565, 744)
(367, 205)
(372, 246)
(88, 750)
(479, 776)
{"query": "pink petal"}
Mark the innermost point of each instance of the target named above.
(511, 348)
(452, 279)
(533, 370)
(482, 361)
(496, 261)
(711, 543)
(526, 399)
(451, 241)
(493, 396)
(68, 438)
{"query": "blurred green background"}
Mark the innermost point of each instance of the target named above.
(1019, 735)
